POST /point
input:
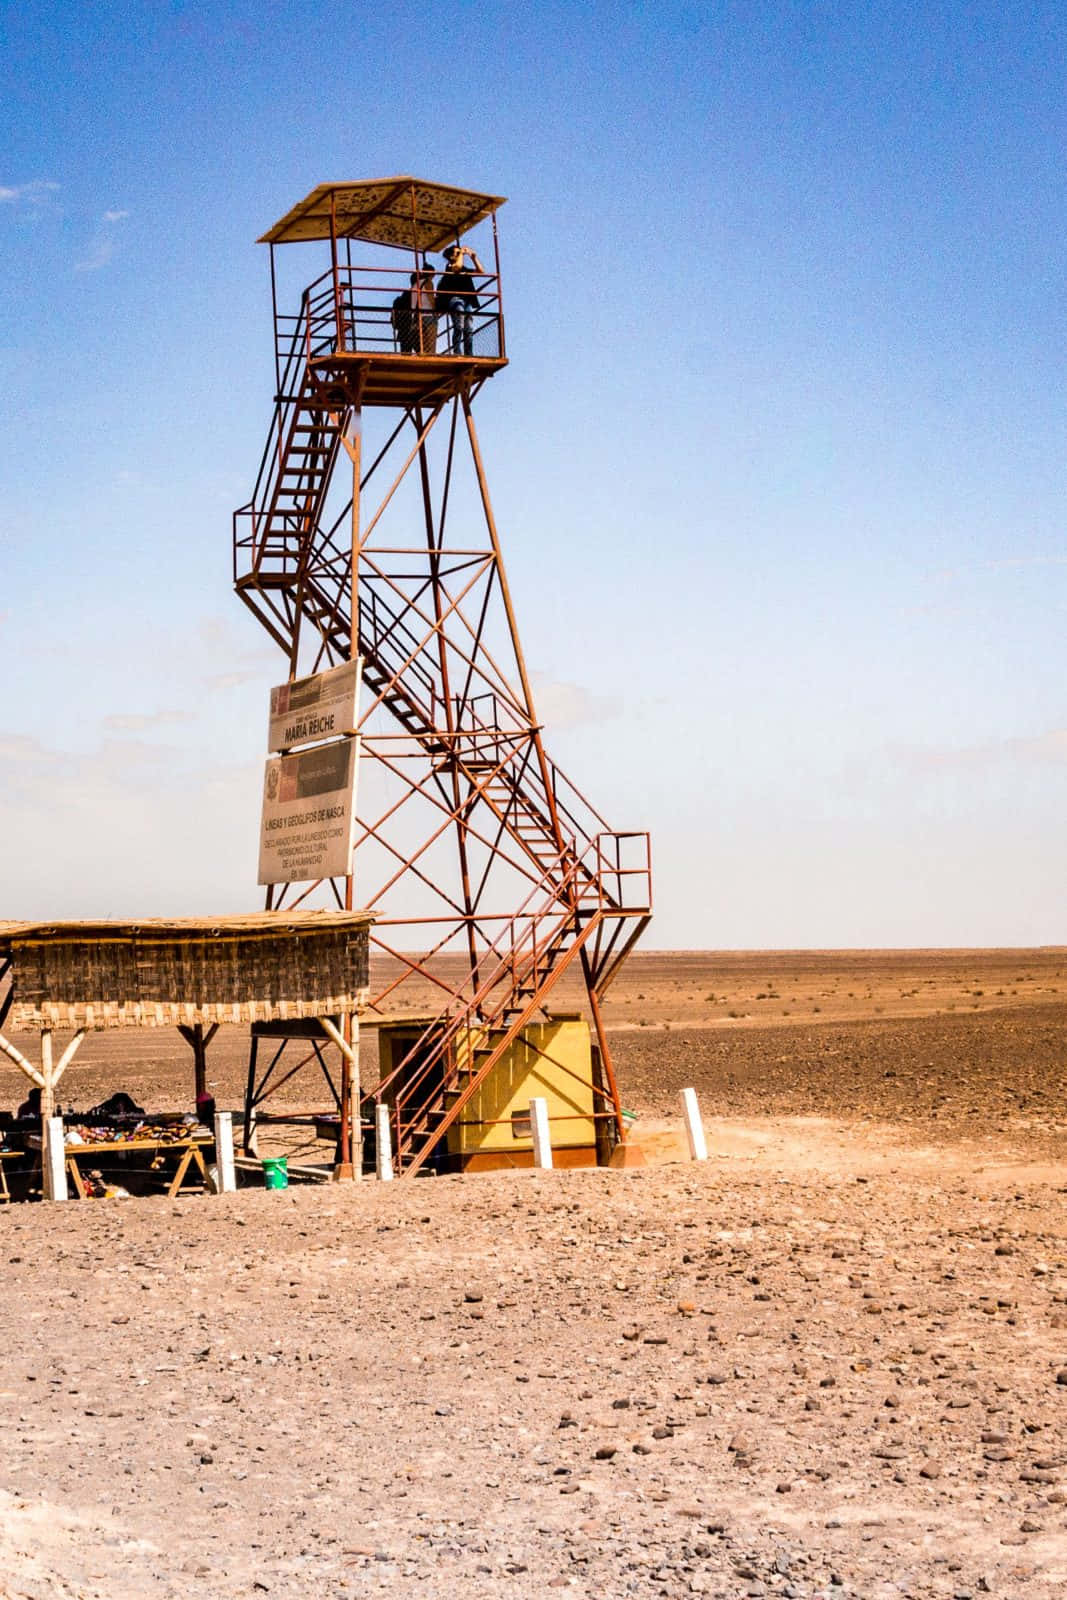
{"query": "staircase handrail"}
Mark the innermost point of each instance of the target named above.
(287, 404)
(495, 1053)
(455, 1021)
(371, 640)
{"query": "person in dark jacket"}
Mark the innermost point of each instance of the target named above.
(457, 296)
(424, 299)
(403, 320)
(30, 1107)
(414, 314)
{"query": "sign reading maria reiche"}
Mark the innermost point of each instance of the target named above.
(320, 707)
(309, 814)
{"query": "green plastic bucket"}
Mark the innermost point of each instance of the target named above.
(276, 1172)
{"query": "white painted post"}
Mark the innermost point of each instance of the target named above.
(224, 1164)
(694, 1128)
(383, 1145)
(542, 1139)
(54, 1160)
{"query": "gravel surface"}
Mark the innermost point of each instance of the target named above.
(830, 1361)
(999, 1075)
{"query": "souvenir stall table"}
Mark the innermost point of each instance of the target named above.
(171, 1149)
(191, 973)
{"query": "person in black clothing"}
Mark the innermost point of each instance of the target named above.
(30, 1107)
(457, 296)
(414, 314)
(424, 298)
(403, 319)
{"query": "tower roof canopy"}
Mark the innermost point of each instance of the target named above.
(405, 212)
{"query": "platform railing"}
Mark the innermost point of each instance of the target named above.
(624, 871)
(379, 311)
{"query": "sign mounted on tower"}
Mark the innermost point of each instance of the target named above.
(309, 814)
(312, 709)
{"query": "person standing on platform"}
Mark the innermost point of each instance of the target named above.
(403, 318)
(457, 296)
(424, 298)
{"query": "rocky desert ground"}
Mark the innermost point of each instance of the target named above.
(830, 1361)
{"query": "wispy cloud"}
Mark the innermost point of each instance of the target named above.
(569, 705)
(126, 825)
(231, 680)
(101, 247)
(29, 760)
(139, 722)
(1046, 748)
(20, 747)
(27, 197)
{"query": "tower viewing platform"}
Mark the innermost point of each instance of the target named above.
(375, 331)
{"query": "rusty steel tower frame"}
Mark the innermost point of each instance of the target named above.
(371, 533)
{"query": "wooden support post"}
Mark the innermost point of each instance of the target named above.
(197, 1037)
(67, 1057)
(48, 1092)
(54, 1159)
(694, 1127)
(224, 1164)
(20, 1061)
(542, 1138)
(384, 1145)
(349, 1049)
(357, 1121)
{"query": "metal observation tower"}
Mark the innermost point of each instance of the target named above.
(370, 534)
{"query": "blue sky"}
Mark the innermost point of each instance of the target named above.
(785, 413)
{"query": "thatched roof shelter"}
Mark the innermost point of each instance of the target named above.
(181, 971)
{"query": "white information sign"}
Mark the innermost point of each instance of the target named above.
(309, 814)
(310, 709)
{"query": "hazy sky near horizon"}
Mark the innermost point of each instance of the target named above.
(778, 461)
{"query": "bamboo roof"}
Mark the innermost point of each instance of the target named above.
(245, 924)
(163, 971)
(407, 213)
